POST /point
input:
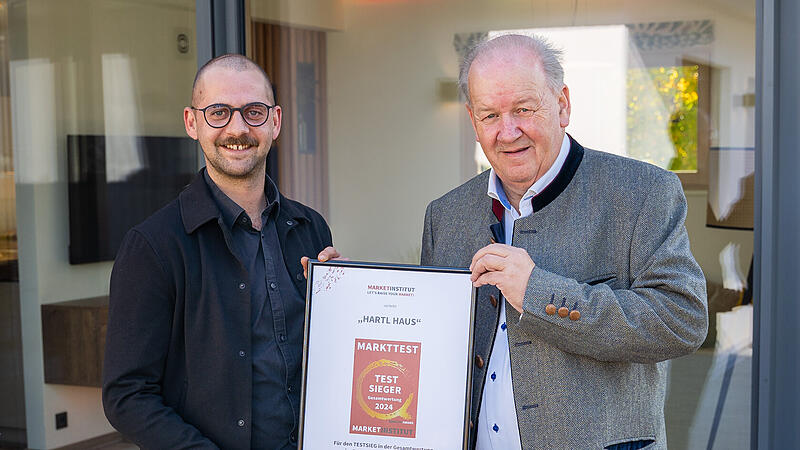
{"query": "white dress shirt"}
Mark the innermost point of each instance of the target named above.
(497, 420)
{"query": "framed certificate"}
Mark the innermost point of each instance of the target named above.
(387, 358)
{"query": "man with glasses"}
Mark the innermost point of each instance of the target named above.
(205, 331)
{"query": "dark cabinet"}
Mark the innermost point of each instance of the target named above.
(74, 340)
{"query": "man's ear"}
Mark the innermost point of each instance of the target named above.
(190, 123)
(564, 106)
(277, 117)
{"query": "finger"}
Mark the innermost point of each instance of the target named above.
(493, 249)
(493, 278)
(328, 253)
(488, 263)
(304, 263)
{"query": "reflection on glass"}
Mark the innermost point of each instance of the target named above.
(121, 110)
(662, 116)
(109, 78)
(12, 401)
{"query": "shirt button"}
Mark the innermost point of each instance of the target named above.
(240, 422)
(496, 428)
(243, 220)
(272, 285)
(282, 337)
(241, 353)
(494, 376)
(289, 222)
(242, 286)
(503, 326)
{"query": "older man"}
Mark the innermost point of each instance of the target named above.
(587, 284)
(205, 331)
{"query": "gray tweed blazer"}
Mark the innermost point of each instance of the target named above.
(608, 239)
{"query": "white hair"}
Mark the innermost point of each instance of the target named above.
(549, 57)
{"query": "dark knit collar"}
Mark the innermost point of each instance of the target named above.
(557, 186)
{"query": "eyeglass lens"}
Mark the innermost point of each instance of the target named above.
(254, 114)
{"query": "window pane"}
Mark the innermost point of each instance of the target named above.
(668, 83)
(662, 116)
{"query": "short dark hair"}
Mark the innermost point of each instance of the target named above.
(234, 61)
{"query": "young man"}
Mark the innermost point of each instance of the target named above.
(205, 332)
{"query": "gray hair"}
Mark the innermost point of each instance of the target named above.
(549, 56)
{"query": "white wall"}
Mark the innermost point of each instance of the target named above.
(59, 87)
(394, 146)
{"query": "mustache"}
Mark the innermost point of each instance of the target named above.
(239, 140)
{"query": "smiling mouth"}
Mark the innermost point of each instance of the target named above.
(515, 151)
(236, 146)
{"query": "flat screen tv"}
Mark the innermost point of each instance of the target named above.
(115, 182)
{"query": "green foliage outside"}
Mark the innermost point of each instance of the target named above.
(662, 116)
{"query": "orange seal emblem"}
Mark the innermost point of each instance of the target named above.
(385, 384)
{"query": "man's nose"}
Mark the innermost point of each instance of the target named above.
(237, 125)
(509, 129)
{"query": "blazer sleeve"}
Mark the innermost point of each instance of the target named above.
(426, 256)
(662, 315)
(141, 302)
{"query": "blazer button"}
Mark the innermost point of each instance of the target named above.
(479, 361)
(299, 276)
(550, 309)
(289, 222)
(574, 314)
(493, 299)
(242, 286)
(240, 422)
(563, 312)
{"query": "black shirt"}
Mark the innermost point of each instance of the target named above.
(277, 314)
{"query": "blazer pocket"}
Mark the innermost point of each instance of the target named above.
(608, 279)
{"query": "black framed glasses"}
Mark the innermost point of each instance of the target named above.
(219, 114)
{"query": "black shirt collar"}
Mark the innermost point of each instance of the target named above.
(231, 211)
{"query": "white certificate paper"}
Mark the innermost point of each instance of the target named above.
(387, 357)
